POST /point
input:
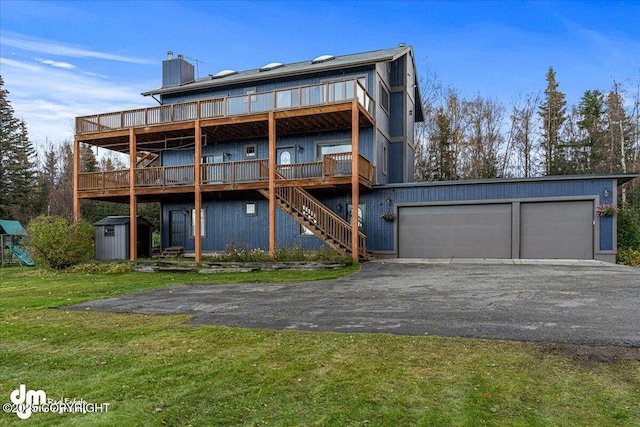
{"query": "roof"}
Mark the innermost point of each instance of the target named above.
(297, 68)
(119, 220)
(12, 227)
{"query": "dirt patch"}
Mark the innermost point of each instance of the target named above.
(591, 355)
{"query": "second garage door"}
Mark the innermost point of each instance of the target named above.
(557, 230)
(461, 231)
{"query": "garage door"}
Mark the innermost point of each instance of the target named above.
(461, 231)
(556, 230)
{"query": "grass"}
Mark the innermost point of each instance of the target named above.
(158, 370)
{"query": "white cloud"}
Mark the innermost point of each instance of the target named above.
(49, 98)
(57, 64)
(61, 49)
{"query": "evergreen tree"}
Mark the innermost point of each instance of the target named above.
(16, 164)
(552, 111)
(594, 156)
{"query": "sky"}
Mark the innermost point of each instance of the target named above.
(63, 59)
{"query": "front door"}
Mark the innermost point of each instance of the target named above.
(286, 156)
(177, 226)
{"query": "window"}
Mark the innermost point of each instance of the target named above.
(333, 148)
(384, 98)
(385, 159)
(203, 223)
(360, 215)
(304, 231)
(250, 91)
(109, 231)
(250, 209)
(213, 158)
(250, 151)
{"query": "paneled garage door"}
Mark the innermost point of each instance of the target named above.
(461, 231)
(554, 230)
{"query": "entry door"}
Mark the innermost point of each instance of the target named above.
(286, 156)
(214, 170)
(177, 226)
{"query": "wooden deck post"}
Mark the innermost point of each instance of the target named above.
(355, 179)
(76, 178)
(272, 185)
(133, 201)
(198, 193)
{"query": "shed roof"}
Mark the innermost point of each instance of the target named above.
(12, 227)
(297, 68)
(119, 220)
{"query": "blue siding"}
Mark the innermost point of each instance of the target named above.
(307, 143)
(396, 155)
(380, 236)
(381, 178)
(398, 71)
(227, 224)
(270, 85)
(396, 121)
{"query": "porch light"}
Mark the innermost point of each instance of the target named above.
(389, 201)
(339, 207)
(606, 192)
(299, 148)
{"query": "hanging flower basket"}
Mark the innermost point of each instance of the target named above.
(607, 210)
(388, 216)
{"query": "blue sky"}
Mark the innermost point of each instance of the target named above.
(62, 59)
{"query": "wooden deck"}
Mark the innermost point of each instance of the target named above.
(311, 108)
(334, 169)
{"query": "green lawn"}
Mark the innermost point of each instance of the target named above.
(158, 370)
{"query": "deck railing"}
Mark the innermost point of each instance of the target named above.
(327, 223)
(286, 99)
(230, 172)
(332, 165)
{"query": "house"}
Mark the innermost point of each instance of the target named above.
(284, 155)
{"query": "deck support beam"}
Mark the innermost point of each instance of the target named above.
(272, 185)
(133, 201)
(355, 179)
(198, 193)
(76, 176)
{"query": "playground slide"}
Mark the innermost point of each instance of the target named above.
(22, 256)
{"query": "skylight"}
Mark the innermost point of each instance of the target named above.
(272, 66)
(224, 73)
(323, 58)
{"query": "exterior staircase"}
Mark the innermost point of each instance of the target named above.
(146, 160)
(317, 218)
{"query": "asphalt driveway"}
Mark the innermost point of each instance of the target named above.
(580, 303)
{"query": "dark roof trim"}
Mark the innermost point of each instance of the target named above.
(622, 178)
(119, 220)
(293, 69)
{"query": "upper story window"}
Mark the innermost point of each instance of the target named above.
(250, 151)
(385, 159)
(384, 98)
(333, 148)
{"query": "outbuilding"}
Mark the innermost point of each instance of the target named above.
(112, 238)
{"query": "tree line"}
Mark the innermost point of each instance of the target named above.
(40, 182)
(537, 134)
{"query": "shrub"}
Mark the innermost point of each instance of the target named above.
(628, 257)
(101, 268)
(628, 229)
(290, 254)
(61, 244)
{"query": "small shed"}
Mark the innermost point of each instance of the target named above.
(113, 237)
